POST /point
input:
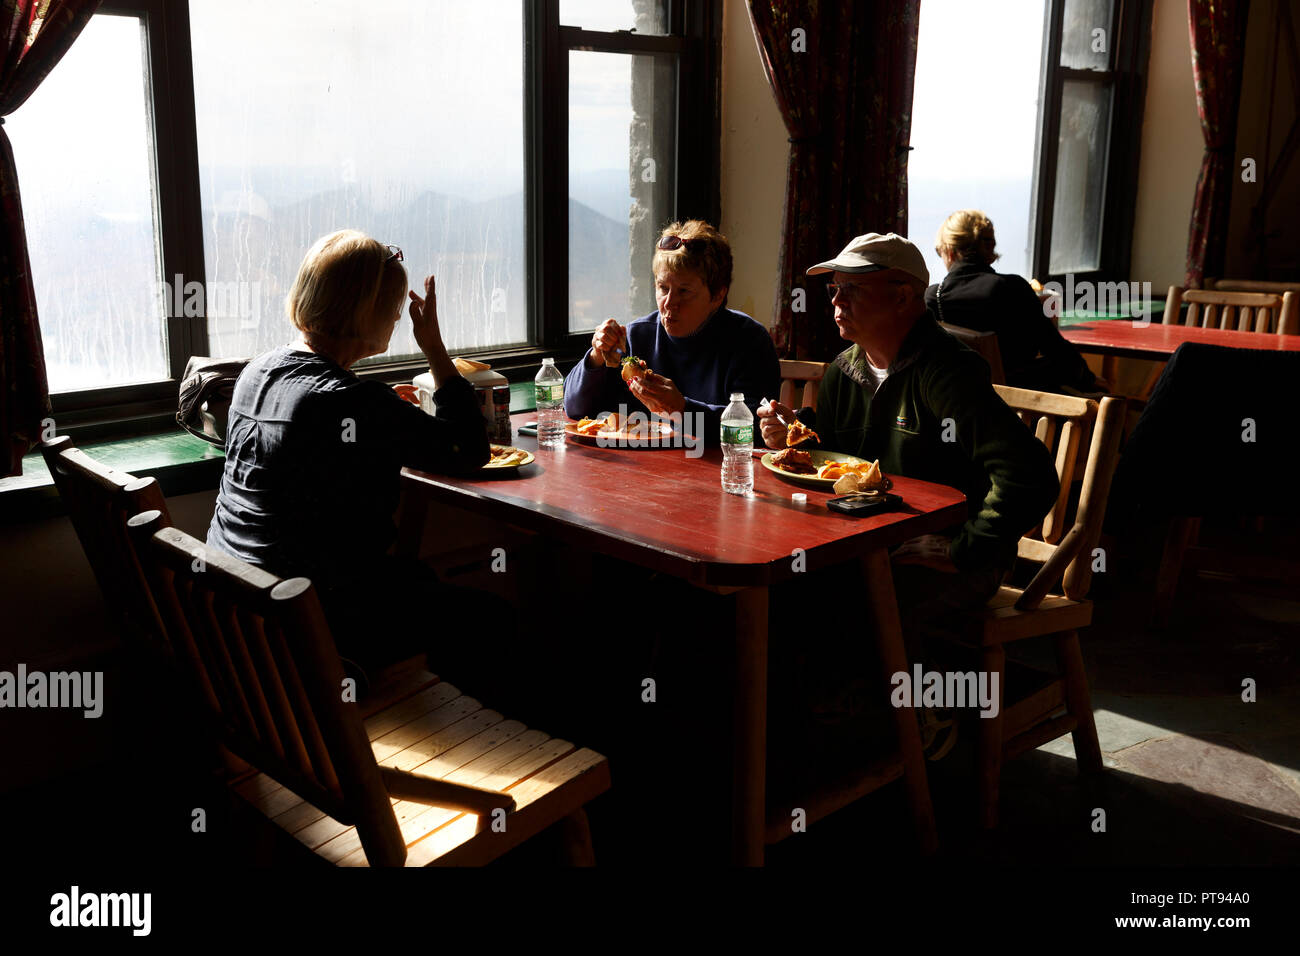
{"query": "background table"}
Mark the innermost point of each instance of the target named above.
(1157, 341)
(660, 510)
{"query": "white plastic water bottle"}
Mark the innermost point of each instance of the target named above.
(549, 386)
(738, 447)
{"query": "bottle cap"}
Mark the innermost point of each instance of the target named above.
(799, 498)
(737, 396)
(548, 361)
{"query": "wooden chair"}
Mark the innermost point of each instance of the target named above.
(1240, 311)
(1063, 547)
(1245, 311)
(1251, 285)
(433, 779)
(985, 343)
(100, 500)
(792, 373)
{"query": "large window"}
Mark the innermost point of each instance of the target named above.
(974, 121)
(184, 155)
(404, 120)
(91, 232)
(1092, 83)
(1033, 116)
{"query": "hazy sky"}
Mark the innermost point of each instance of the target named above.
(976, 98)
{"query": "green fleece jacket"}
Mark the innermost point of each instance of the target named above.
(936, 417)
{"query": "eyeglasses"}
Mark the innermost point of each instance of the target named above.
(846, 289)
(394, 253)
(675, 242)
(850, 290)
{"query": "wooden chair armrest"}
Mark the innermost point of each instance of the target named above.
(1053, 568)
(443, 793)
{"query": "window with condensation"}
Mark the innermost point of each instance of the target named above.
(404, 120)
(83, 145)
(1086, 84)
(1085, 175)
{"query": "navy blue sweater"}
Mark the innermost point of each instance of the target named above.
(729, 353)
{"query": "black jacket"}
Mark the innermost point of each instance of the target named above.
(1034, 354)
(313, 464)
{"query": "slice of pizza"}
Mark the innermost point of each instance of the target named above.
(798, 433)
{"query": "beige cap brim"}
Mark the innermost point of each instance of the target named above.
(851, 264)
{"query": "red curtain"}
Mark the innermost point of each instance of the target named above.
(842, 76)
(34, 35)
(1218, 32)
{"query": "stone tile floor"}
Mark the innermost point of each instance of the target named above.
(1194, 774)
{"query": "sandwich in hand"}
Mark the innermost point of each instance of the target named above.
(634, 368)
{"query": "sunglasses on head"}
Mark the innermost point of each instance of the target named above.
(394, 253)
(675, 242)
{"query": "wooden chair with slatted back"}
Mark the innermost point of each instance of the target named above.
(100, 500)
(1237, 311)
(467, 784)
(1251, 285)
(985, 343)
(1055, 602)
(792, 374)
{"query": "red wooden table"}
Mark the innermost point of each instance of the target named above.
(1159, 341)
(659, 509)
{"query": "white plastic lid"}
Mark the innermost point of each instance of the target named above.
(548, 361)
(737, 396)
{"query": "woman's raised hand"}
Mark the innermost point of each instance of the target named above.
(424, 316)
(605, 340)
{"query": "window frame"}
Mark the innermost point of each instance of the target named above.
(169, 99)
(693, 37)
(1130, 31)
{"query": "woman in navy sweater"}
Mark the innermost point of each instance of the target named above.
(697, 349)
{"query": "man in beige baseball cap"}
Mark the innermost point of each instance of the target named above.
(909, 394)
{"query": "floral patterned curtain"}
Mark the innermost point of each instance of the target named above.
(34, 35)
(842, 75)
(1218, 31)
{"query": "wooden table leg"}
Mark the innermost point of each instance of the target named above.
(893, 656)
(749, 728)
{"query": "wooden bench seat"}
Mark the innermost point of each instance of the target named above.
(442, 734)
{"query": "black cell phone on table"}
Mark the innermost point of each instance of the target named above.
(528, 428)
(860, 506)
